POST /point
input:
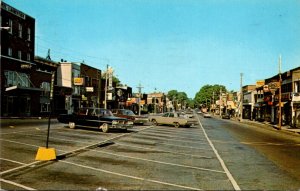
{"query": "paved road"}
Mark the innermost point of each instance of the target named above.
(210, 156)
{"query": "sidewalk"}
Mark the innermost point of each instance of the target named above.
(285, 128)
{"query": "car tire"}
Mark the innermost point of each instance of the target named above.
(176, 124)
(104, 127)
(72, 125)
(154, 122)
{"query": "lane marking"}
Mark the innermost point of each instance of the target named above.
(33, 130)
(132, 177)
(229, 175)
(16, 184)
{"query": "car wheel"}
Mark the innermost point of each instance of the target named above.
(176, 124)
(104, 128)
(154, 122)
(72, 125)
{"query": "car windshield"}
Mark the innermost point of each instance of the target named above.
(128, 112)
(103, 112)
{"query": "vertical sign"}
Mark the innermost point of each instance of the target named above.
(52, 85)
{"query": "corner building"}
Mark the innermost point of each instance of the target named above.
(18, 93)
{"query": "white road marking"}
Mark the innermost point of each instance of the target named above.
(162, 136)
(183, 141)
(156, 161)
(229, 175)
(161, 150)
(16, 184)
(12, 161)
(128, 176)
(186, 146)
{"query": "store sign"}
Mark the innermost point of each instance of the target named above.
(78, 81)
(260, 83)
(89, 89)
(26, 66)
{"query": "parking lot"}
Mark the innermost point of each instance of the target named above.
(144, 158)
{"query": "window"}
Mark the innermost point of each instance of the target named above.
(28, 56)
(20, 30)
(28, 34)
(46, 88)
(45, 107)
(19, 54)
(16, 79)
(10, 24)
(9, 52)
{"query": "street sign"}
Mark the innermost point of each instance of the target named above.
(52, 85)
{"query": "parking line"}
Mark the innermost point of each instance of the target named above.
(160, 162)
(12, 161)
(16, 184)
(128, 176)
(207, 149)
(169, 139)
(229, 175)
(161, 150)
(162, 136)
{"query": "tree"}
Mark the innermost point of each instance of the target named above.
(179, 97)
(207, 93)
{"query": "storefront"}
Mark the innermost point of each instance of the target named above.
(295, 110)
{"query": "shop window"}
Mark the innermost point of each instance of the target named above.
(45, 107)
(14, 78)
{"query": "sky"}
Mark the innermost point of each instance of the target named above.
(171, 44)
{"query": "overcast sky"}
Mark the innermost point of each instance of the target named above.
(171, 44)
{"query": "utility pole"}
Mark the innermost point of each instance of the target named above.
(105, 90)
(220, 101)
(279, 96)
(241, 99)
(140, 91)
(213, 105)
(99, 87)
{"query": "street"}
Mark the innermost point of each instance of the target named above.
(216, 154)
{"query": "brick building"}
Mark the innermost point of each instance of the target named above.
(18, 93)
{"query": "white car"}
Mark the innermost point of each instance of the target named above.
(206, 115)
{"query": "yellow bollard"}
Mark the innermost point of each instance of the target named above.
(45, 154)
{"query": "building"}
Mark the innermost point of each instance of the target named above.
(18, 92)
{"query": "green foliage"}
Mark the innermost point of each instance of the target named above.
(209, 92)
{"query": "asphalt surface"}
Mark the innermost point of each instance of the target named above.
(214, 155)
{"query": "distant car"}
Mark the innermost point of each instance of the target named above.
(126, 113)
(172, 118)
(225, 116)
(95, 117)
(206, 115)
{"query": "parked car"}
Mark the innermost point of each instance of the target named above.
(206, 115)
(95, 117)
(172, 118)
(126, 113)
(225, 116)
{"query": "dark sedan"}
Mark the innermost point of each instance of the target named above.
(95, 117)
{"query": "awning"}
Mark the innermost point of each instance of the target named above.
(22, 88)
(282, 103)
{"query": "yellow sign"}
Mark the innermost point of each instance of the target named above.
(78, 81)
(260, 83)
